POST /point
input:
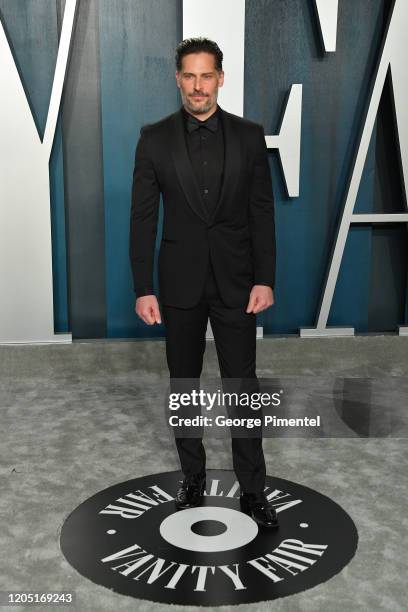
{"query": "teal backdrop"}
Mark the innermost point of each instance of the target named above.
(121, 76)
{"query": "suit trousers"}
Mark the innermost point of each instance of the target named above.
(235, 341)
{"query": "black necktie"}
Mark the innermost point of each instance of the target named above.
(194, 124)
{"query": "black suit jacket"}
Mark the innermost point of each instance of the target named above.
(239, 235)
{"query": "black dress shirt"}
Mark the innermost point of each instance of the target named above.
(205, 145)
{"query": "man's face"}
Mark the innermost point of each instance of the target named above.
(199, 81)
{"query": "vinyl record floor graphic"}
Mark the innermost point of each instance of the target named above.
(131, 539)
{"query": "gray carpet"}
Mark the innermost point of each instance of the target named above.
(77, 418)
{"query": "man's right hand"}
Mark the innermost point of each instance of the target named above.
(147, 308)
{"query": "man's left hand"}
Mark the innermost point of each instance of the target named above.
(260, 298)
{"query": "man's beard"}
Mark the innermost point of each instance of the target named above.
(206, 105)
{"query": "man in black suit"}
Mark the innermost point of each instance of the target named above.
(217, 254)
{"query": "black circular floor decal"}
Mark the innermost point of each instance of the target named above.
(131, 539)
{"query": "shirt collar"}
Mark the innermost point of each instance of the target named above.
(191, 122)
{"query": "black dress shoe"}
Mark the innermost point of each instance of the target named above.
(190, 493)
(258, 507)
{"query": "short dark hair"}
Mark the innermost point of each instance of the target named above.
(198, 45)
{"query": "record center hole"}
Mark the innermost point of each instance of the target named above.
(208, 528)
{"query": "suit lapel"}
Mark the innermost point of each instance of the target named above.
(185, 172)
(184, 168)
(232, 162)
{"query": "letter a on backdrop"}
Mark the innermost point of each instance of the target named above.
(393, 56)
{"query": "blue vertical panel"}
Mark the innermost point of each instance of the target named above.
(83, 174)
(388, 287)
(59, 252)
(350, 306)
(283, 47)
(31, 28)
(137, 43)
